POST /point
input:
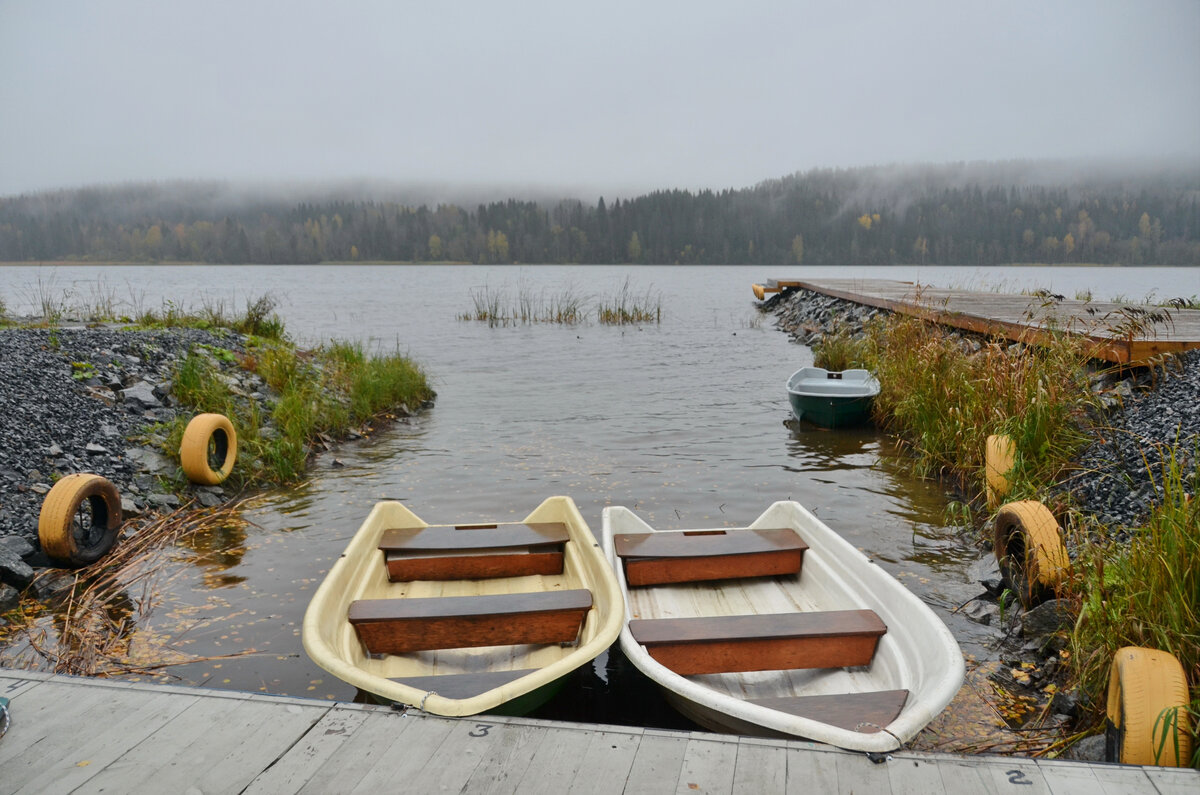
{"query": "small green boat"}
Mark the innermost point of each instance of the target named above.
(832, 398)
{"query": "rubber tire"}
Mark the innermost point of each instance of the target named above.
(56, 531)
(1142, 683)
(193, 450)
(759, 292)
(999, 454)
(1030, 550)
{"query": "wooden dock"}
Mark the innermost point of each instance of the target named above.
(71, 734)
(1123, 333)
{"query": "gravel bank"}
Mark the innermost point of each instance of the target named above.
(1115, 478)
(81, 400)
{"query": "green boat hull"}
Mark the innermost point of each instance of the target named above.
(832, 412)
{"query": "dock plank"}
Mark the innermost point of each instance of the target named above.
(554, 763)
(43, 717)
(501, 769)
(404, 758)
(1169, 781)
(810, 771)
(1068, 778)
(359, 752)
(761, 769)
(857, 773)
(707, 767)
(659, 759)
(1119, 334)
(453, 764)
(77, 735)
(606, 763)
(305, 758)
(111, 728)
(912, 775)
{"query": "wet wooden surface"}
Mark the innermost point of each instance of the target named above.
(81, 735)
(1122, 332)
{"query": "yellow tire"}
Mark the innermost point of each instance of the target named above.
(1148, 721)
(209, 449)
(79, 519)
(999, 454)
(1030, 550)
(759, 292)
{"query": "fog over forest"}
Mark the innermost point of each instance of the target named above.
(979, 213)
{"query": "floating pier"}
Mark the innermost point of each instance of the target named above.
(70, 734)
(1123, 333)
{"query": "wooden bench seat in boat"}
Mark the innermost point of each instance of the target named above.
(866, 712)
(397, 626)
(660, 558)
(775, 641)
(473, 552)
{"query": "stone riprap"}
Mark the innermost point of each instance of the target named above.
(84, 400)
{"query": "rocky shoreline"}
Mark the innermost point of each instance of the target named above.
(88, 400)
(1116, 478)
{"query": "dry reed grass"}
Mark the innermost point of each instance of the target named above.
(89, 629)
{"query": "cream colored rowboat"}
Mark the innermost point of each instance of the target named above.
(455, 624)
(730, 641)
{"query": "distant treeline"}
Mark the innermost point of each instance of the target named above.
(962, 214)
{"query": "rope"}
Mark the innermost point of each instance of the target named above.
(876, 756)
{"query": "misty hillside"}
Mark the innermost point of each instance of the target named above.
(953, 214)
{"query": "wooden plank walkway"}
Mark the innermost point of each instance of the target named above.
(1121, 332)
(88, 736)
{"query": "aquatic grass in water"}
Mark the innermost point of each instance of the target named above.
(566, 307)
(624, 308)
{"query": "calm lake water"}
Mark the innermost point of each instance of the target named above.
(686, 421)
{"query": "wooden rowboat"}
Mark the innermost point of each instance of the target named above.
(780, 628)
(832, 398)
(463, 619)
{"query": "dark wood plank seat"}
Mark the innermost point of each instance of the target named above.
(397, 626)
(775, 641)
(474, 552)
(660, 558)
(866, 712)
(466, 685)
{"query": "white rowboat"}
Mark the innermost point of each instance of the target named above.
(723, 628)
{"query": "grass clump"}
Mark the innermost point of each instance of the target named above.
(943, 395)
(1146, 593)
(495, 308)
(258, 319)
(318, 393)
(625, 308)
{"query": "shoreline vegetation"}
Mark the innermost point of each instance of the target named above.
(973, 214)
(79, 621)
(943, 393)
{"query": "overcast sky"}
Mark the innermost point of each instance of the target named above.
(608, 96)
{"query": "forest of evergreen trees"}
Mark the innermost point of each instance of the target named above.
(958, 214)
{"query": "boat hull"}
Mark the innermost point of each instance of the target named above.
(516, 678)
(917, 653)
(832, 412)
(832, 399)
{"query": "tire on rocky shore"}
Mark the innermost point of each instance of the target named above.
(194, 449)
(78, 537)
(1147, 709)
(1030, 550)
